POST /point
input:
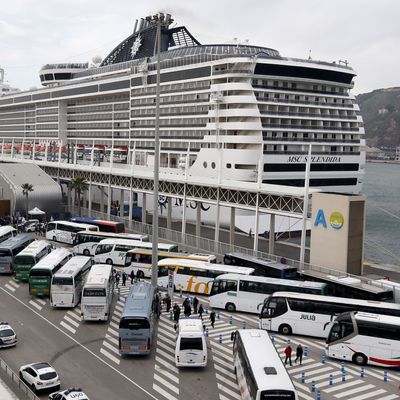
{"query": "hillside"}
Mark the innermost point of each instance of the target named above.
(380, 110)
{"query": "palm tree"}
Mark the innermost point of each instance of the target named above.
(80, 185)
(26, 189)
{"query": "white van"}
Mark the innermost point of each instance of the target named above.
(191, 346)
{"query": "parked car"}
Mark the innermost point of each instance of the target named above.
(40, 376)
(8, 337)
(69, 394)
(31, 225)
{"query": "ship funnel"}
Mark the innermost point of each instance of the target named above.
(141, 24)
(167, 19)
(134, 28)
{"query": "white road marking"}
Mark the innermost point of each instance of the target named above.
(171, 367)
(370, 394)
(225, 372)
(35, 305)
(12, 282)
(114, 333)
(42, 302)
(353, 391)
(163, 392)
(166, 355)
(343, 386)
(66, 326)
(231, 393)
(75, 315)
(114, 325)
(227, 381)
(9, 287)
(167, 374)
(110, 356)
(111, 347)
(112, 339)
(166, 383)
(71, 321)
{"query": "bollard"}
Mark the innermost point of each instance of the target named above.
(343, 376)
(313, 386)
(220, 339)
(318, 394)
(323, 358)
(342, 364)
(218, 316)
(207, 310)
(206, 333)
(330, 380)
(385, 378)
(362, 372)
(118, 294)
(180, 294)
(288, 341)
(303, 377)
(230, 320)
(170, 314)
(243, 324)
(305, 353)
(273, 338)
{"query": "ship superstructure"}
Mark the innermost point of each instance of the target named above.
(232, 111)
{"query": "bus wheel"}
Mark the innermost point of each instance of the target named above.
(360, 359)
(109, 261)
(230, 307)
(86, 252)
(140, 274)
(285, 329)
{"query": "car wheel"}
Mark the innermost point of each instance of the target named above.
(230, 307)
(33, 388)
(360, 359)
(109, 261)
(285, 329)
(140, 274)
(86, 252)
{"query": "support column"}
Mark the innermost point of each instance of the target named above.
(109, 200)
(121, 203)
(198, 223)
(232, 227)
(184, 216)
(130, 215)
(101, 189)
(68, 196)
(271, 241)
(84, 200)
(256, 223)
(144, 208)
(216, 236)
(90, 199)
(169, 213)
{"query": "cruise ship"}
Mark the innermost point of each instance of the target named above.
(5, 88)
(227, 111)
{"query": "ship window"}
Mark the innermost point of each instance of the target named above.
(205, 164)
(229, 165)
(213, 165)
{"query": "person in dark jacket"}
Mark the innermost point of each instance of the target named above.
(195, 304)
(299, 354)
(201, 311)
(212, 318)
(132, 275)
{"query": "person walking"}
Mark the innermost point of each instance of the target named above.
(132, 276)
(288, 354)
(124, 279)
(177, 311)
(168, 303)
(117, 278)
(212, 318)
(299, 354)
(187, 309)
(201, 311)
(195, 304)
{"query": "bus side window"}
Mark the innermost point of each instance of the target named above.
(277, 307)
(51, 226)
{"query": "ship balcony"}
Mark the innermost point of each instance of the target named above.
(325, 153)
(312, 140)
(236, 112)
(235, 126)
(310, 127)
(306, 115)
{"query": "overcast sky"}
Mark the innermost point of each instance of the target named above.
(364, 32)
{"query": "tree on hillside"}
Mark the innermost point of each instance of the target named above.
(26, 189)
(80, 186)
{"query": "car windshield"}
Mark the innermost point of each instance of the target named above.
(6, 333)
(47, 376)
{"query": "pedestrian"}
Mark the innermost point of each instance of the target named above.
(299, 354)
(117, 278)
(132, 275)
(201, 310)
(124, 279)
(288, 354)
(177, 312)
(187, 310)
(212, 318)
(195, 304)
(168, 303)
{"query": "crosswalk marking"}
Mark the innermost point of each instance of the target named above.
(166, 383)
(343, 385)
(13, 283)
(167, 374)
(111, 347)
(110, 356)
(231, 393)
(31, 302)
(12, 289)
(75, 314)
(370, 394)
(353, 391)
(42, 302)
(71, 321)
(167, 364)
(66, 326)
(112, 339)
(163, 392)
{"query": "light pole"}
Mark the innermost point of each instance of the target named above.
(157, 19)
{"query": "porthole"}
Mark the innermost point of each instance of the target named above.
(213, 165)
(205, 164)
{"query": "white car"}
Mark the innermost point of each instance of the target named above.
(40, 376)
(69, 394)
(8, 337)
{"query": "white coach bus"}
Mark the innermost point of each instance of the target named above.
(65, 231)
(113, 251)
(97, 293)
(310, 315)
(365, 339)
(67, 283)
(260, 372)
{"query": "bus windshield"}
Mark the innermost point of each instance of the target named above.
(134, 323)
(60, 280)
(25, 260)
(40, 272)
(5, 253)
(94, 292)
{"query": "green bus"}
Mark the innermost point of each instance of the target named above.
(30, 256)
(41, 274)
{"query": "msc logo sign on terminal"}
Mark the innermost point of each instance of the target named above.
(336, 219)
